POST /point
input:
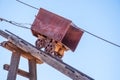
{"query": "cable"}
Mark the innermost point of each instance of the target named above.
(97, 36)
(14, 23)
(19, 25)
(80, 28)
(24, 24)
(27, 5)
(100, 38)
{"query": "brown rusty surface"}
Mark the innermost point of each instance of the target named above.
(57, 28)
(72, 37)
(50, 25)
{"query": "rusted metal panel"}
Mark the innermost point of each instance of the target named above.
(57, 28)
(72, 37)
(50, 25)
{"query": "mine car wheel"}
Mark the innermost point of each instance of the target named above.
(49, 48)
(40, 43)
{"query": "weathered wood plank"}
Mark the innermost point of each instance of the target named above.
(20, 72)
(57, 64)
(8, 45)
(32, 69)
(13, 69)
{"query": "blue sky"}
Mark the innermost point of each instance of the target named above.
(93, 57)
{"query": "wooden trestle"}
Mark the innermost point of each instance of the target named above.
(20, 47)
(15, 58)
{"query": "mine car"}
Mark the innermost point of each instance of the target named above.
(55, 34)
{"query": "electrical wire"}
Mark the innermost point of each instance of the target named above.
(28, 5)
(96, 36)
(14, 23)
(100, 38)
(20, 25)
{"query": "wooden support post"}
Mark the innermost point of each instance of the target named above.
(32, 69)
(13, 66)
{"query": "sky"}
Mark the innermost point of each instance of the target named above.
(94, 57)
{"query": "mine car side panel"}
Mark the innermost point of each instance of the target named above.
(57, 28)
(50, 25)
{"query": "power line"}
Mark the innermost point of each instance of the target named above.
(100, 38)
(14, 23)
(22, 26)
(73, 24)
(97, 36)
(28, 5)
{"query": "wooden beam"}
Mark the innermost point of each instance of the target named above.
(13, 69)
(8, 45)
(50, 60)
(20, 72)
(32, 69)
